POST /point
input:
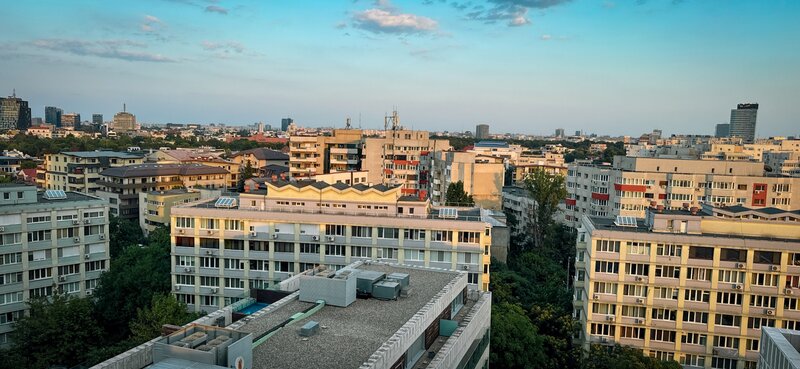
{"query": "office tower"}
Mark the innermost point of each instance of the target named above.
(285, 122)
(35, 122)
(97, 119)
(52, 115)
(79, 171)
(743, 122)
(577, 133)
(632, 184)
(482, 131)
(124, 122)
(14, 113)
(294, 226)
(696, 285)
(71, 120)
(722, 130)
(50, 240)
(559, 133)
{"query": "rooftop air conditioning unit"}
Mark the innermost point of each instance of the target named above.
(769, 311)
(774, 268)
(62, 278)
(788, 291)
(275, 236)
(737, 286)
(640, 301)
(740, 265)
(75, 222)
(87, 256)
(86, 221)
(315, 238)
(77, 239)
(610, 318)
(596, 296)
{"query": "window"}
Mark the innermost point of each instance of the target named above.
(731, 276)
(473, 278)
(757, 323)
(39, 219)
(259, 245)
(632, 332)
(10, 317)
(445, 236)
(210, 263)
(11, 239)
(206, 281)
(468, 258)
(729, 298)
(414, 234)
(361, 232)
(234, 245)
(633, 311)
(441, 256)
(703, 253)
(387, 253)
(9, 259)
(637, 269)
(668, 250)
(694, 339)
(791, 324)
(236, 283)
(92, 230)
(697, 295)
(665, 293)
(10, 298)
(287, 247)
(309, 248)
(93, 214)
(95, 265)
(391, 233)
(635, 290)
(606, 266)
(183, 279)
(36, 236)
(767, 257)
(733, 255)
(335, 229)
(70, 269)
(664, 314)
(602, 329)
(668, 271)
(605, 287)
(234, 264)
(607, 246)
(763, 301)
(728, 320)
(209, 243)
(752, 345)
(335, 250)
(234, 225)
(726, 341)
(693, 360)
(662, 335)
(469, 237)
(37, 274)
(67, 233)
(792, 281)
(10, 278)
(414, 255)
(259, 265)
(361, 251)
(608, 309)
(182, 222)
(699, 317)
(698, 274)
(208, 300)
(209, 223)
(638, 248)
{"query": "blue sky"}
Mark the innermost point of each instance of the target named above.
(530, 66)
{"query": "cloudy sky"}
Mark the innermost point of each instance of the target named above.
(530, 66)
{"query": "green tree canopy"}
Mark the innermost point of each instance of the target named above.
(515, 341)
(456, 196)
(546, 190)
(164, 309)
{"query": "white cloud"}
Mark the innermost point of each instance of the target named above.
(392, 21)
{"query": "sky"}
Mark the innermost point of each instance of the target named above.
(619, 67)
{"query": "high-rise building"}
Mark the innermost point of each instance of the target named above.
(71, 120)
(743, 122)
(285, 122)
(97, 119)
(52, 241)
(52, 115)
(124, 122)
(482, 131)
(559, 133)
(722, 130)
(14, 113)
(262, 238)
(695, 286)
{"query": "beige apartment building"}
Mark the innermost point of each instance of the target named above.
(79, 171)
(155, 206)
(223, 247)
(784, 163)
(397, 159)
(312, 155)
(695, 285)
(482, 175)
(726, 150)
(632, 184)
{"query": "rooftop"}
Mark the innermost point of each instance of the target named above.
(263, 153)
(148, 170)
(102, 154)
(498, 144)
(351, 334)
(174, 191)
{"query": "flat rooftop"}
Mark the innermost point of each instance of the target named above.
(352, 333)
(103, 154)
(642, 227)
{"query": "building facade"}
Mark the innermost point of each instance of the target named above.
(312, 155)
(743, 122)
(482, 131)
(14, 113)
(155, 206)
(124, 122)
(52, 116)
(722, 130)
(80, 170)
(263, 238)
(694, 286)
(49, 241)
(483, 177)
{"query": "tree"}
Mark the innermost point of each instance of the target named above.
(245, 174)
(135, 276)
(456, 196)
(546, 190)
(58, 330)
(515, 341)
(623, 357)
(164, 309)
(123, 233)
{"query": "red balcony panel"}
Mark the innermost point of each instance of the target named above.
(629, 187)
(600, 196)
(759, 194)
(570, 201)
(662, 196)
(408, 191)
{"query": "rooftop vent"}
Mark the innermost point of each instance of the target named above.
(625, 221)
(448, 213)
(55, 194)
(225, 202)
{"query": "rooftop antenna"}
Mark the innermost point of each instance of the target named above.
(359, 120)
(124, 108)
(14, 92)
(347, 123)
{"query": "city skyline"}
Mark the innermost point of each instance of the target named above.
(521, 66)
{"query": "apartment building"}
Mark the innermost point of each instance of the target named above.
(632, 184)
(201, 156)
(258, 239)
(733, 150)
(79, 171)
(312, 155)
(483, 177)
(155, 206)
(49, 241)
(695, 286)
(121, 186)
(783, 163)
(260, 157)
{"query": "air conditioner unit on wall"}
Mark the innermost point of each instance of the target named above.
(775, 268)
(740, 265)
(275, 236)
(769, 311)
